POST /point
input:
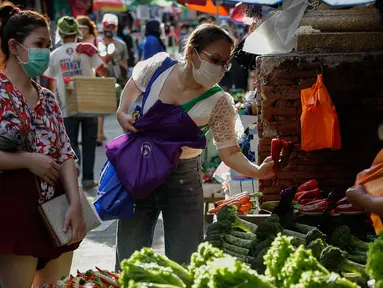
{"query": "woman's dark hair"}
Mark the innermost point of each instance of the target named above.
(202, 20)
(152, 28)
(17, 24)
(86, 21)
(206, 34)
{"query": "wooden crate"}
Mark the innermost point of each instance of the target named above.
(90, 96)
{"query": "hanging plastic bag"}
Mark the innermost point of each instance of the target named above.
(319, 120)
(372, 181)
(276, 34)
(113, 202)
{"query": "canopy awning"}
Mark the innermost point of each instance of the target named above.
(210, 8)
(339, 3)
(105, 4)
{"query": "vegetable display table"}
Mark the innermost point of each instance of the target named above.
(211, 194)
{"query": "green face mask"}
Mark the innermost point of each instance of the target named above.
(38, 61)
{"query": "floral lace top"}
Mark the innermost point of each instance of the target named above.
(46, 135)
(217, 111)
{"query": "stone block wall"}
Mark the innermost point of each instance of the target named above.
(355, 83)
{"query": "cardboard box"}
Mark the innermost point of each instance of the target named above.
(91, 96)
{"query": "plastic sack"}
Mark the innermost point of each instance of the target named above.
(319, 121)
(113, 202)
(276, 34)
(372, 181)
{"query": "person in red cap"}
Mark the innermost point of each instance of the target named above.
(114, 54)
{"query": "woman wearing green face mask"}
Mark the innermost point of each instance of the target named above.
(32, 124)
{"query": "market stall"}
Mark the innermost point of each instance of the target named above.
(277, 252)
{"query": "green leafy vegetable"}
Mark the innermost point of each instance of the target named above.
(229, 213)
(151, 273)
(277, 256)
(147, 255)
(343, 239)
(315, 279)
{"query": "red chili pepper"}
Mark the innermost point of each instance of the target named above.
(298, 194)
(309, 195)
(287, 149)
(347, 208)
(79, 274)
(315, 206)
(305, 201)
(276, 148)
(309, 185)
(342, 201)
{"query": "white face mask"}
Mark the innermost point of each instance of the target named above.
(208, 74)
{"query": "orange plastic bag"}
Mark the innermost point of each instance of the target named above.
(372, 181)
(319, 120)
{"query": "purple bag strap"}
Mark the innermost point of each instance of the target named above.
(166, 64)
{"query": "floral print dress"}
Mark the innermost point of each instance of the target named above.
(44, 123)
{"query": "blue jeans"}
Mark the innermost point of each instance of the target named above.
(180, 199)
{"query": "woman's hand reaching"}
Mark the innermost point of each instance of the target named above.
(126, 122)
(355, 194)
(265, 170)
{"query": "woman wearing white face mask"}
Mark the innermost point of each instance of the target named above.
(192, 85)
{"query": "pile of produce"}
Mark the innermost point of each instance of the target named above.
(244, 203)
(209, 268)
(286, 267)
(374, 262)
(90, 279)
(341, 253)
(308, 199)
(288, 262)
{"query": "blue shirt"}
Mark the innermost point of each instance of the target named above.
(152, 46)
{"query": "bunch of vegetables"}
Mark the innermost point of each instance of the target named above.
(222, 270)
(209, 268)
(244, 203)
(309, 200)
(297, 267)
(91, 279)
(146, 266)
(374, 261)
(250, 243)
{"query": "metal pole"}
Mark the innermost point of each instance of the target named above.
(217, 3)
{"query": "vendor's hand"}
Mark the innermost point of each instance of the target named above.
(75, 219)
(126, 121)
(354, 195)
(107, 58)
(44, 167)
(265, 170)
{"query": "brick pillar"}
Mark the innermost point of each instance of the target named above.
(355, 85)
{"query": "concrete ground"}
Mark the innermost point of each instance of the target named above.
(98, 248)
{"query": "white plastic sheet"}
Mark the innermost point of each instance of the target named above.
(276, 34)
(347, 2)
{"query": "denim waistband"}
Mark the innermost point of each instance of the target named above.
(191, 160)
